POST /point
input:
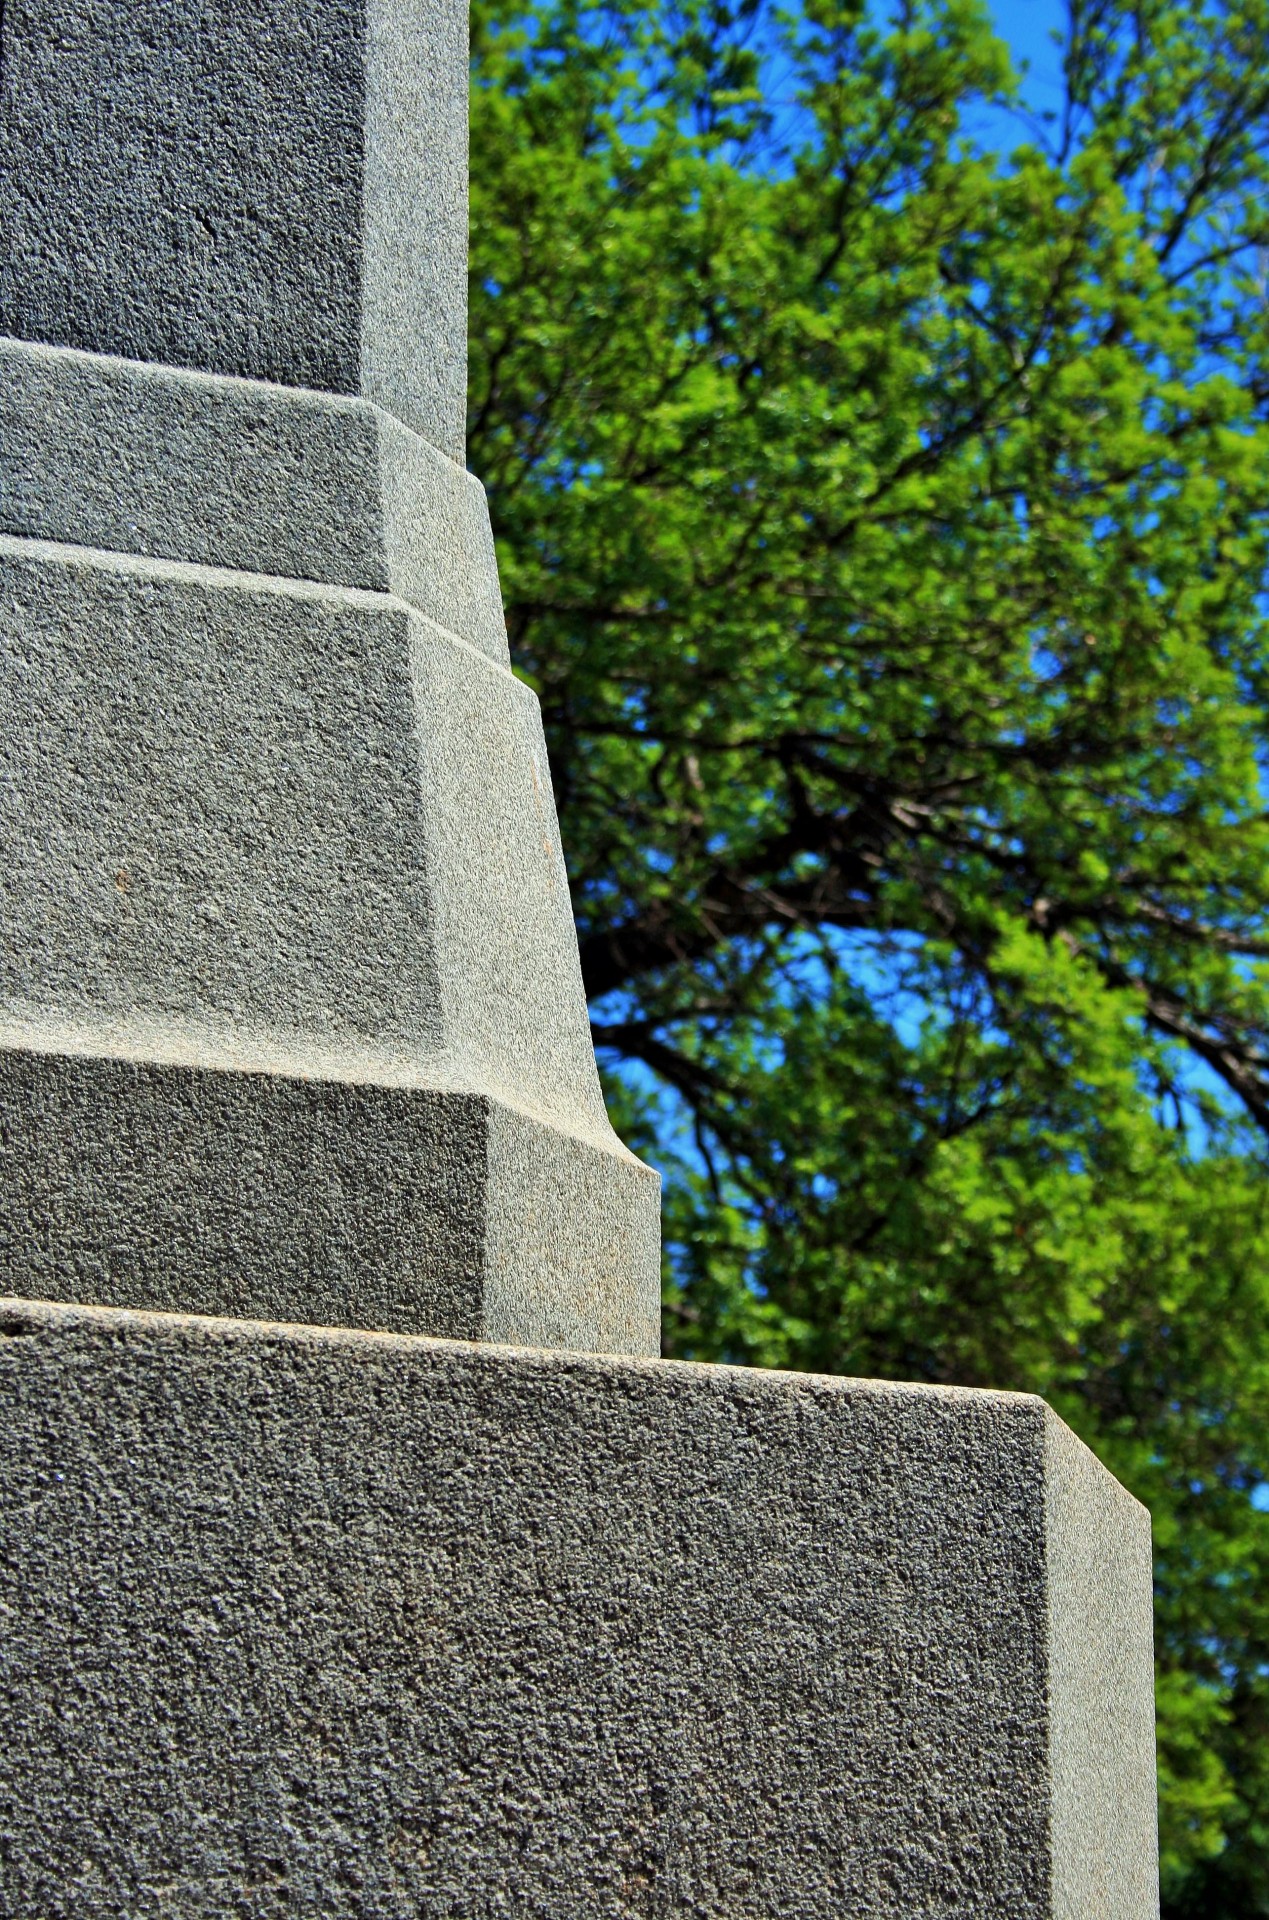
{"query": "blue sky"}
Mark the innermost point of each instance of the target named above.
(1026, 25)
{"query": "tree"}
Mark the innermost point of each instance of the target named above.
(881, 479)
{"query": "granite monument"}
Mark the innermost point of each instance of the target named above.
(315, 1597)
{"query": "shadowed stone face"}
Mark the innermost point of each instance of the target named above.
(215, 184)
(271, 189)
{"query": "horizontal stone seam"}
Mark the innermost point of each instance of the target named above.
(58, 1315)
(445, 1075)
(235, 580)
(197, 379)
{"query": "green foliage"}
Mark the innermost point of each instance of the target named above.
(881, 485)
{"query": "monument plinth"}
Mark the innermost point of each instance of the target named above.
(305, 1610)
(291, 1018)
(354, 1625)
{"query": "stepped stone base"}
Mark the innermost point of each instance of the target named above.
(220, 472)
(292, 1024)
(301, 1621)
(350, 1201)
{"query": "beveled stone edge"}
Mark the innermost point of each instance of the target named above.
(193, 573)
(715, 1376)
(1099, 1591)
(181, 1046)
(248, 476)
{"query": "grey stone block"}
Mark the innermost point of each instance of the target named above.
(349, 1202)
(235, 473)
(281, 851)
(358, 1625)
(284, 833)
(276, 189)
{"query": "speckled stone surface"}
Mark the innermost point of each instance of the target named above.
(276, 189)
(100, 452)
(300, 837)
(353, 1202)
(1105, 1855)
(295, 1619)
(357, 1625)
(291, 1017)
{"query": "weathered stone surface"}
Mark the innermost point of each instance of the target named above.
(99, 452)
(276, 189)
(292, 833)
(285, 815)
(297, 1621)
(354, 1201)
(279, 828)
(291, 1024)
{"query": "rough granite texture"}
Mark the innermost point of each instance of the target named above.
(279, 828)
(285, 811)
(292, 1025)
(99, 452)
(276, 189)
(352, 1203)
(357, 1625)
(292, 832)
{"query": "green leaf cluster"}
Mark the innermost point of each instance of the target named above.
(881, 483)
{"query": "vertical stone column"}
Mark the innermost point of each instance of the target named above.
(275, 190)
(291, 1018)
